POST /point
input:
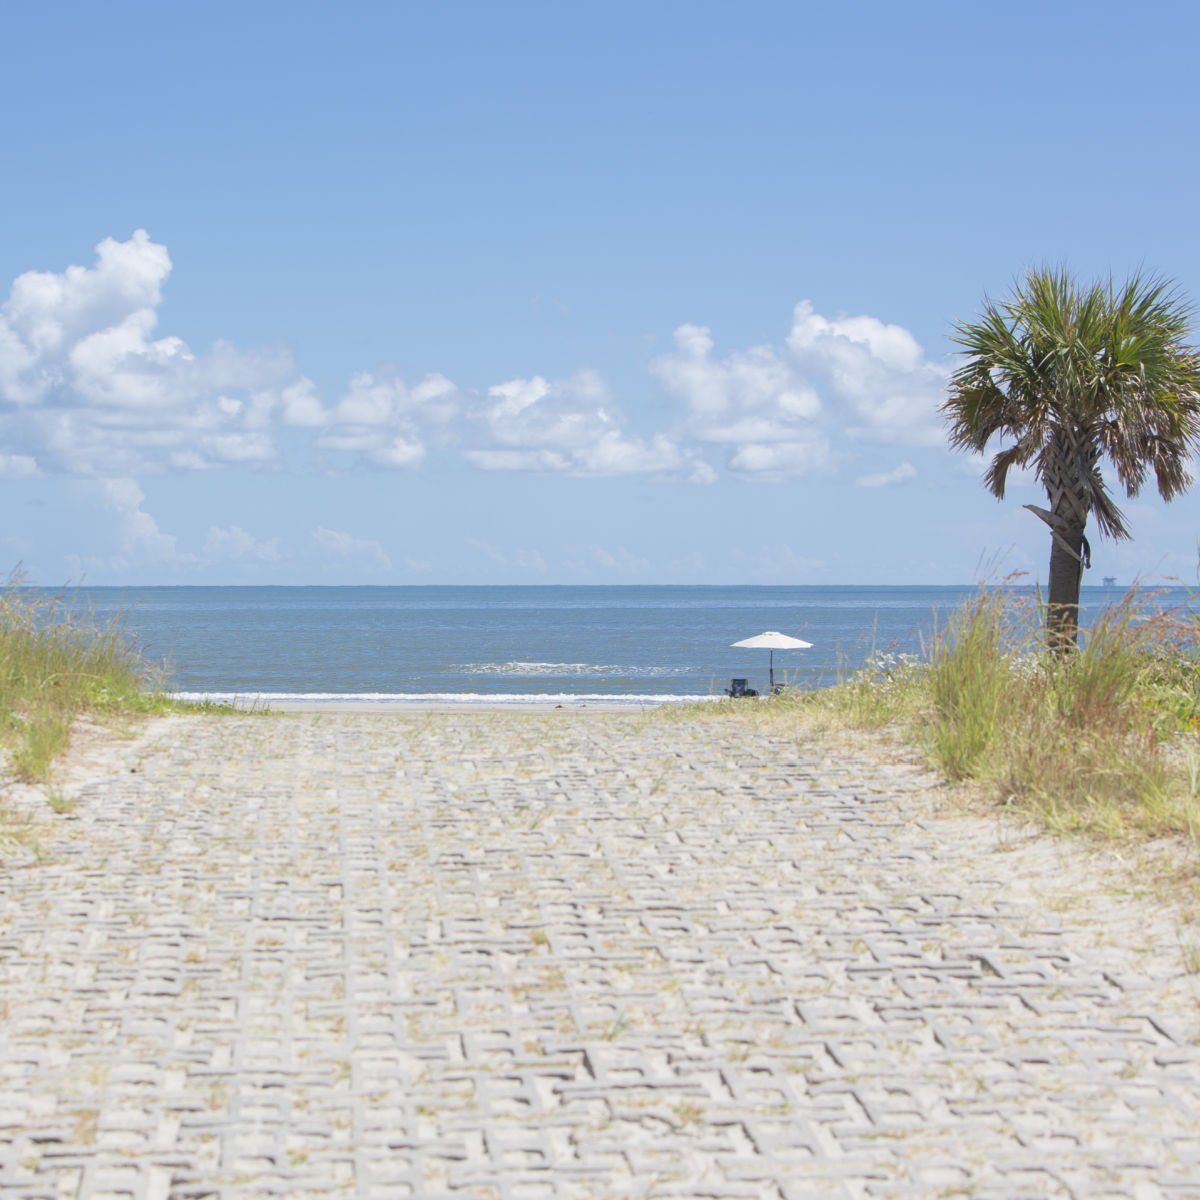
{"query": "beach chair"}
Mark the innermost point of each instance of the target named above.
(737, 689)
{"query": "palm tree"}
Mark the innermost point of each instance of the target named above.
(1074, 376)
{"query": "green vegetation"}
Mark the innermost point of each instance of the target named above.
(1105, 740)
(1074, 376)
(55, 668)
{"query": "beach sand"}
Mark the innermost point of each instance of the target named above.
(507, 954)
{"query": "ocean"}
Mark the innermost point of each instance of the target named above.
(512, 645)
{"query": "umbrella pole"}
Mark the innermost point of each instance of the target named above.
(772, 670)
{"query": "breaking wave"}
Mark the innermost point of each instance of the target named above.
(251, 700)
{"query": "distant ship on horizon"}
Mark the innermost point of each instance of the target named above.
(1110, 581)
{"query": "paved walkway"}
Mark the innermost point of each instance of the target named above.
(483, 955)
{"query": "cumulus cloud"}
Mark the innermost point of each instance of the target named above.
(90, 386)
(777, 460)
(568, 425)
(754, 385)
(751, 402)
(781, 410)
(388, 423)
(87, 387)
(900, 474)
(140, 536)
(887, 390)
(300, 405)
(345, 545)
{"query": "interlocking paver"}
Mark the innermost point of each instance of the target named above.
(581, 955)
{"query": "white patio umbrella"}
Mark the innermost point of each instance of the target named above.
(771, 640)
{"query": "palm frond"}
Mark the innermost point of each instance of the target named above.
(995, 478)
(1109, 518)
(1108, 364)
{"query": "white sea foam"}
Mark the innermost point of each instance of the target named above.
(403, 699)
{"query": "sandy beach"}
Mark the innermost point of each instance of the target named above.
(425, 705)
(572, 954)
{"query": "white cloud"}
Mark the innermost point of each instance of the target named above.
(242, 447)
(781, 410)
(86, 386)
(17, 466)
(345, 545)
(778, 460)
(900, 474)
(236, 545)
(567, 425)
(300, 405)
(140, 535)
(385, 399)
(49, 314)
(564, 416)
(399, 453)
(751, 401)
(612, 454)
(387, 422)
(89, 386)
(887, 390)
(756, 381)
(518, 460)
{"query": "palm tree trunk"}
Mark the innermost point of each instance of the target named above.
(1066, 575)
(1068, 465)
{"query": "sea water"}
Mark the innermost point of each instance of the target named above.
(395, 645)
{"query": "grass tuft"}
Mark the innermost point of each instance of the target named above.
(56, 667)
(968, 679)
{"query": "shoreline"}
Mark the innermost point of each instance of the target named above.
(376, 708)
(398, 703)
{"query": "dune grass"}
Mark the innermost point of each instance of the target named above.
(1105, 740)
(55, 668)
(1102, 740)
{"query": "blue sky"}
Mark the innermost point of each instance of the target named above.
(554, 293)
